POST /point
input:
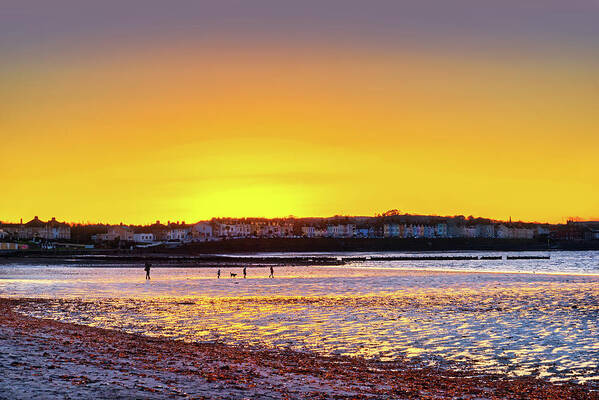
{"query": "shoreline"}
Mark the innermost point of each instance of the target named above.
(277, 259)
(327, 245)
(226, 267)
(47, 358)
(166, 261)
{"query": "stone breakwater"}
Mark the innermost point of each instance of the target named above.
(195, 261)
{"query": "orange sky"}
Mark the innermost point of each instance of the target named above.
(187, 132)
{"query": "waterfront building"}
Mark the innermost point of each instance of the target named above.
(179, 233)
(523, 233)
(541, 230)
(309, 231)
(362, 232)
(341, 230)
(429, 231)
(576, 230)
(391, 230)
(486, 231)
(201, 231)
(275, 230)
(417, 231)
(504, 232)
(120, 232)
(143, 237)
(38, 229)
(592, 234)
(470, 231)
(456, 231)
(159, 231)
(441, 230)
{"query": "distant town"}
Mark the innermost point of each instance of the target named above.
(37, 233)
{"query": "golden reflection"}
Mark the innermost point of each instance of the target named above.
(519, 329)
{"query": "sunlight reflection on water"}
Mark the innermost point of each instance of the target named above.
(520, 324)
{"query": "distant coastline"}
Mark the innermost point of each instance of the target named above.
(301, 245)
(313, 245)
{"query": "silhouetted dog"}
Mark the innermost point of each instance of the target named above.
(233, 275)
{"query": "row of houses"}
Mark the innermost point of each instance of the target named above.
(199, 232)
(342, 227)
(219, 230)
(236, 229)
(576, 230)
(431, 231)
(36, 229)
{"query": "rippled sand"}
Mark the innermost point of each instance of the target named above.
(48, 359)
(520, 324)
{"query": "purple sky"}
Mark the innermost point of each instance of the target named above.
(556, 23)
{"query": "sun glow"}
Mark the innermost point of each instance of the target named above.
(190, 133)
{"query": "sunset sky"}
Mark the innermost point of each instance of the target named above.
(183, 110)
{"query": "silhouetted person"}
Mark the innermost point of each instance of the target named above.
(218, 274)
(147, 269)
(272, 272)
(244, 272)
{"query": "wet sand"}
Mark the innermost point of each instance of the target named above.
(517, 324)
(48, 359)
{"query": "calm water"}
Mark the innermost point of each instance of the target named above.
(511, 320)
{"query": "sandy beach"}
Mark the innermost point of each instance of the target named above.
(49, 359)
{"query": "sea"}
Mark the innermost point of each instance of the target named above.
(520, 317)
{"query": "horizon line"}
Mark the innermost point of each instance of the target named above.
(290, 216)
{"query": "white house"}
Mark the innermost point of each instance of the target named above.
(201, 232)
(143, 237)
(341, 230)
(313, 232)
(309, 231)
(179, 233)
(470, 231)
(504, 232)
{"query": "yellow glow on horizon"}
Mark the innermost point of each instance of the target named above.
(188, 134)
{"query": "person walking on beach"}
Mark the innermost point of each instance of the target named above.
(218, 274)
(272, 272)
(244, 272)
(147, 269)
